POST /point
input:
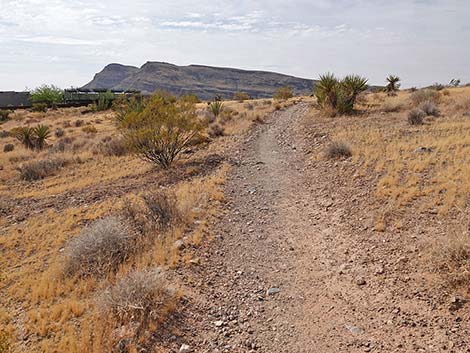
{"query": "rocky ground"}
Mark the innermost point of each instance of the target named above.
(296, 265)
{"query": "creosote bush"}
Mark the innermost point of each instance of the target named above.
(337, 150)
(165, 128)
(141, 298)
(99, 249)
(416, 117)
(283, 93)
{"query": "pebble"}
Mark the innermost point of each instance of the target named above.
(185, 348)
(272, 291)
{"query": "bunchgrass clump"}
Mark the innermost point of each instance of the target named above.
(425, 95)
(416, 117)
(338, 150)
(99, 249)
(429, 108)
(40, 169)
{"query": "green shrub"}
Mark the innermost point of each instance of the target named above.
(32, 138)
(339, 95)
(104, 101)
(4, 115)
(164, 128)
(124, 106)
(283, 93)
(8, 147)
(41, 134)
(39, 107)
(47, 94)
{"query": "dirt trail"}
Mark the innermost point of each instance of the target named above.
(282, 234)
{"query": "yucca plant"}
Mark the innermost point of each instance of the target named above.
(25, 135)
(393, 83)
(41, 134)
(216, 108)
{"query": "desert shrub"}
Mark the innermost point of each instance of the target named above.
(59, 132)
(162, 209)
(416, 117)
(66, 124)
(124, 106)
(4, 115)
(215, 130)
(216, 108)
(191, 98)
(283, 93)
(41, 134)
(32, 138)
(241, 96)
(39, 107)
(451, 258)
(99, 249)
(4, 134)
(392, 107)
(61, 145)
(40, 169)
(337, 150)
(438, 86)
(78, 122)
(425, 95)
(277, 107)
(49, 95)
(249, 106)
(89, 129)
(430, 108)
(104, 101)
(113, 147)
(267, 102)
(8, 147)
(142, 298)
(162, 130)
(335, 95)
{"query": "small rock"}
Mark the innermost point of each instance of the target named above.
(361, 281)
(219, 323)
(185, 348)
(354, 329)
(272, 291)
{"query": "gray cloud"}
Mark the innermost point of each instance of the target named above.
(66, 42)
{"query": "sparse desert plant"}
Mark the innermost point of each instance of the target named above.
(40, 169)
(191, 98)
(451, 258)
(89, 129)
(215, 130)
(337, 150)
(216, 108)
(113, 147)
(39, 107)
(438, 86)
(124, 106)
(283, 93)
(416, 117)
(339, 96)
(241, 96)
(425, 95)
(47, 94)
(41, 134)
(163, 130)
(59, 132)
(249, 106)
(139, 299)
(393, 84)
(99, 249)
(392, 107)
(78, 122)
(430, 108)
(4, 134)
(162, 209)
(4, 115)
(9, 147)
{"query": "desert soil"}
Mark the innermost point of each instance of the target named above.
(297, 267)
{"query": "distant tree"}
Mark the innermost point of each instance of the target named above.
(393, 84)
(48, 94)
(455, 82)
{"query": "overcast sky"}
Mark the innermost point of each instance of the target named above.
(66, 41)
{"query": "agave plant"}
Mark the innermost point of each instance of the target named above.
(216, 108)
(326, 90)
(41, 134)
(25, 135)
(393, 83)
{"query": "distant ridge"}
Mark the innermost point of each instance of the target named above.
(204, 81)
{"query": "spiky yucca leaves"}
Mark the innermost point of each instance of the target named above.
(393, 83)
(216, 108)
(339, 95)
(25, 135)
(41, 134)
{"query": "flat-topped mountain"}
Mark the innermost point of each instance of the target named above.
(204, 81)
